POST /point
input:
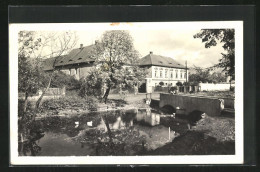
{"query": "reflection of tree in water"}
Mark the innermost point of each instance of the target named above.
(128, 116)
(29, 132)
(67, 125)
(126, 141)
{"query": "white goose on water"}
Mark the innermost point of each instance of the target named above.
(77, 124)
(90, 123)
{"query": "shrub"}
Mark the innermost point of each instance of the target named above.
(161, 83)
(186, 84)
(91, 85)
(194, 83)
(60, 79)
(173, 88)
(68, 102)
(179, 84)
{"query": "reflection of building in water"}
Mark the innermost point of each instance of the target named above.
(119, 124)
(147, 116)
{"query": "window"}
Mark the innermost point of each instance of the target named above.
(166, 74)
(181, 74)
(155, 74)
(161, 74)
(185, 75)
(171, 74)
(76, 70)
(176, 73)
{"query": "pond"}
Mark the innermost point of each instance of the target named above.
(124, 132)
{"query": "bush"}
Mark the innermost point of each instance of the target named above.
(194, 83)
(60, 79)
(161, 83)
(127, 88)
(186, 84)
(179, 84)
(173, 89)
(161, 89)
(91, 85)
(21, 106)
(68, 102)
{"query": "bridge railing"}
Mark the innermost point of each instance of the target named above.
(211, 106)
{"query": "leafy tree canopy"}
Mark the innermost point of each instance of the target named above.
(116, 60)
(28, 68)
(204, 75)
(226, 36)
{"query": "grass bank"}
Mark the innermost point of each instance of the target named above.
(72, 104)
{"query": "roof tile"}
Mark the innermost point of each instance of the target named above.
(157, 60)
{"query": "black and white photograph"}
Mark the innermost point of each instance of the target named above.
(126, 93)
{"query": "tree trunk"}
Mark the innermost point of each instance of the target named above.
(40, 99)
(110, 135)
(106, 94)
(25, 102)
(108, 128)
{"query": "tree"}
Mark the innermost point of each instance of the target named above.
(31, 45)
(28, 73)
(217, 77)
(179, 84)
(59, 43)
(113, 53)
(200, 75)
(91, 85)
(227, 37)
(204, 75)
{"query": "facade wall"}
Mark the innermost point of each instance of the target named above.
(84, 71)
(77, 71)
(170, 76)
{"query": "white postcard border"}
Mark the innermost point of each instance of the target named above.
(95, 160)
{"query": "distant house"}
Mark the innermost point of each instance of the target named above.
(162, 69)
(78, 62)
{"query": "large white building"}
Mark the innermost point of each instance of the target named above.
(162, 69)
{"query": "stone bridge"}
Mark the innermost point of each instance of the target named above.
(186, 104)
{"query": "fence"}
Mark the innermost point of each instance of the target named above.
(160, 89)
(183, 89)
(54, 91)
(49, 94)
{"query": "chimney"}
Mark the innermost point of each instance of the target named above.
(81, 46)
(151, 52)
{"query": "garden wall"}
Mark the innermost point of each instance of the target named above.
(213, 87)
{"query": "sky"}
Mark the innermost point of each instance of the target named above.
(171, 39)
(175, 43)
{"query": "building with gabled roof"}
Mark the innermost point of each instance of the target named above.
(162, 69)
(78, 62)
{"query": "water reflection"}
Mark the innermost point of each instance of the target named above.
(148, 116)
(127, 132)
